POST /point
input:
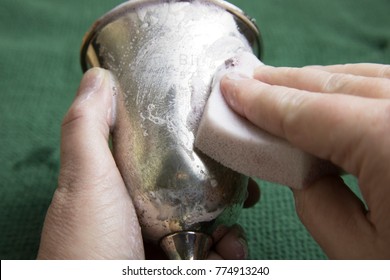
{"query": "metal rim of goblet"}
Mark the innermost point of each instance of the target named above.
(124, 8)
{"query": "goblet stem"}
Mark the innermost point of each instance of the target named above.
(186, 245)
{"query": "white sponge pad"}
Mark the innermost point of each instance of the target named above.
(236, 143)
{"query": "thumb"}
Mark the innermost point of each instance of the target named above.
(335, 217)
(91, 215)
(86, 126)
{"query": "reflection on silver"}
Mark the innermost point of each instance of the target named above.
(186, 245)
(163, 55)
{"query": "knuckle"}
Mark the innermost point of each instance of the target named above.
(67, 177)
(291, 106)
(336, 82)
(74, 114)
(385, 72)
(76, 180)
(71, 182)
(247, 100)
(83, 116)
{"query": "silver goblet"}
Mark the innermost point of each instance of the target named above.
(164, 55)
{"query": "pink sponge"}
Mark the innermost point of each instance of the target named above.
(236, 143)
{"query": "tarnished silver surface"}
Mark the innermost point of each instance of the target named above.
(186, 245)
(164, 55)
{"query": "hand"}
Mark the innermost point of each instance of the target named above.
(91, 215)
(338, 113)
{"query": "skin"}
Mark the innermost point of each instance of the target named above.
(91, 215)
(339, 113)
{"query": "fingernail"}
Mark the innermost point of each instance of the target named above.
(264, 73)
(229, 86)
(235, 76)
(241, 244)
(102, 82)
(241, 249)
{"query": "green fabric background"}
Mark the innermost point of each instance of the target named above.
(40, 72)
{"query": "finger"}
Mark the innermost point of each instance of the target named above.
(214, 256)
(253, 194)
(316, 80)
(324, 125)
(336, 219)
(359, 69)
(91, 215)
(85, 129)
(233, 245)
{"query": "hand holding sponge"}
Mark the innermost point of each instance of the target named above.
(238, 144)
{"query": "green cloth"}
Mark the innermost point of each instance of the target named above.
(40, 72)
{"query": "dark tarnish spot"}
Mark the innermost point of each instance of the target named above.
(231, 62)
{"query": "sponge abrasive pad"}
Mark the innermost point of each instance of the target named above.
(236, 143)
